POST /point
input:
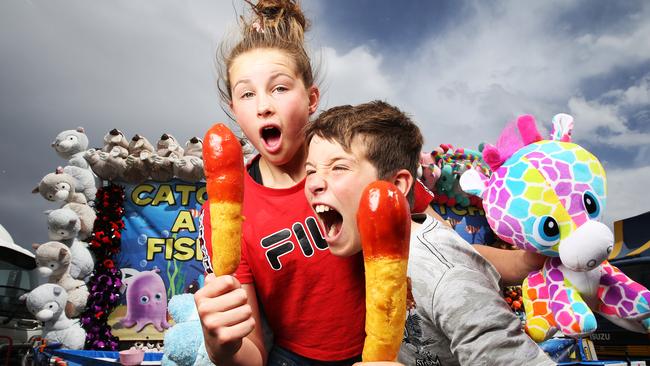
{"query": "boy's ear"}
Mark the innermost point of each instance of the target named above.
(403, 180)
(314, 98)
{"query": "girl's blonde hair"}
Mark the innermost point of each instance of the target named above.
(273, 24)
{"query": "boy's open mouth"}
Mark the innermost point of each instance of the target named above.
(271, 136)
(330, 218)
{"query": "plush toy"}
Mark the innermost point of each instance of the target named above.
(70, 145)
(53, 263)
(428, 171)
(189, 169)
(64, 226)
(116, 144)
(146, 300)
(104, 166)
(184, 344)
(85, 219)
(161, 169)
(140, 147)
(46, 303)
(168, 146)
(68, 184)
(135, 170)
(452, 162)
(194, 147)
(548, 196)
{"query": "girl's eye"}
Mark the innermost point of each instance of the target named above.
(247, 95)
(280, 88)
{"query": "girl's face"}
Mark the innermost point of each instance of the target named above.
(271, 103)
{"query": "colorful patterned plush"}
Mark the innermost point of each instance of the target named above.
(548, 196)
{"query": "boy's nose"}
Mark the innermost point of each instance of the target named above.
(315, 184)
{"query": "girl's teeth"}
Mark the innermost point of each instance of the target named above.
(321, 208)
(332, 231)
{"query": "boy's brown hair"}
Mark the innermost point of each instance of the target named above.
(392, 141)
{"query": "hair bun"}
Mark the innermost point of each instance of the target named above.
(273, 13)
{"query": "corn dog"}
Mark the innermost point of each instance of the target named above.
(224, 174)
(384, 226)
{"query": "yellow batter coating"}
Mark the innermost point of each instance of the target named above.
(226, 236)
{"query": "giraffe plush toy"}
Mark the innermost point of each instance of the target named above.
(547, 196)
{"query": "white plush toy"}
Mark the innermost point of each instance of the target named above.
(161, 169)
(53, 263)
(194, 147)
(105, 166)
(47, 302)
(168, 146)
(116, 144)
(70, 145)
(68, 184)
(64, 226)
(86, 216)
(140, 147)
(247, 149)
(189, 169)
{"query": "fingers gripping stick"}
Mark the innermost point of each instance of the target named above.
(385, 228)
(224, 173)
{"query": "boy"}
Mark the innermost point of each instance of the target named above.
(457, 315)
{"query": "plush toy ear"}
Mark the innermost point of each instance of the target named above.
(528, 129)
(47, 212)
(492, 157)
(23, 297)
(35, 190)
(35, 246)
(59, 170)
(56, 290)
(62, 254)
(562, 127)
(80, 129)
(473, 182)
(72, 221)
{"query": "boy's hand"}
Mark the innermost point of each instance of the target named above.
(226, 317)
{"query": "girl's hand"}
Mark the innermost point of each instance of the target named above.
(226, 317)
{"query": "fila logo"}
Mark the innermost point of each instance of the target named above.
(279, 243)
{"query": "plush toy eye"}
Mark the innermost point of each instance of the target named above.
(546, 231)
(591, 204)
(158, 296)
(144, 299)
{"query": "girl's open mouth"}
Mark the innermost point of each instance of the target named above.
(271, 138)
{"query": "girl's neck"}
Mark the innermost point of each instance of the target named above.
(284, 176)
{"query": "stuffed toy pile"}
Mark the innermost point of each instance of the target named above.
(548, 196)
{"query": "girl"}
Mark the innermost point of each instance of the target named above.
(312, 300)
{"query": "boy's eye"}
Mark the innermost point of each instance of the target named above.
(310, 171)
(340, 167)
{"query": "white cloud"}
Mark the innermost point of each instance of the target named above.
(627, 193)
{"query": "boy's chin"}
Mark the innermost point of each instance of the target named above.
(344, 249)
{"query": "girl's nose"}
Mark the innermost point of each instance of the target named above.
(264, 106)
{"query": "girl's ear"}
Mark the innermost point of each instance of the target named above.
(314, 98)
(403, 180)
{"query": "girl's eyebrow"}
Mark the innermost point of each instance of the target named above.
(272, 78)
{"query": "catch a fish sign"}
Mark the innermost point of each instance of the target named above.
(161, 230)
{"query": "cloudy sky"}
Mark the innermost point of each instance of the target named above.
(461, 68)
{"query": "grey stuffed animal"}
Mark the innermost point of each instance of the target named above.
(47, 303)
(63, 186)
(136, 170)
(140, 147)
(53, 263)
(64, 226)
(70, 145)
(161, 169)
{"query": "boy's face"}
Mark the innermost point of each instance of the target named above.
(335, 181)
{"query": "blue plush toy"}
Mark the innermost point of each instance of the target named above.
(184, 341)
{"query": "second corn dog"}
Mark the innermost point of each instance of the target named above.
(384, 226)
